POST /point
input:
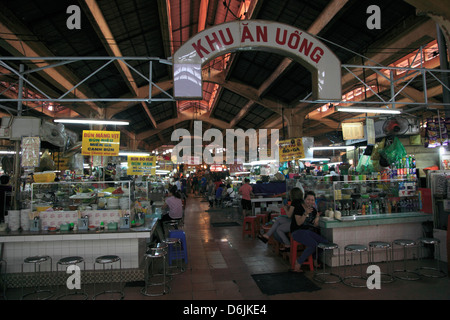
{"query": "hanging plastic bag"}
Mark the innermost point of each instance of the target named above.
(364, 165)
(395, 151)
(375, 152)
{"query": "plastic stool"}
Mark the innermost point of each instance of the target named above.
(293, 256)
(410, 275)
(175, 254)
(322, 276)
(252, 222)
(180, 234)
(158, 252)
(69, 261)
(382, 245)
(436, 272)
(37, 261)
(108, 260)
(262, 218)
(354, 248)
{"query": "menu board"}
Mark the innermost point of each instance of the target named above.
(100, 143)
(141, 165)
(291, 149)
(30, 151)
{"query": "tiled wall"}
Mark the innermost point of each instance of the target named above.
(126, 249)
(365, 234)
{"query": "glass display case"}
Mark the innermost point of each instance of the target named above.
(321, 186)
(62, 203)
(375, 197)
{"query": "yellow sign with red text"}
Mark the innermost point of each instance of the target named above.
(100, 143)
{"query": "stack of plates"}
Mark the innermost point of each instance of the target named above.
(25, 219)
(14, 220)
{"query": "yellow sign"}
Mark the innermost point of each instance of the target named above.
(61, 162)
(291, 149)
(141, 165)
(100, 143)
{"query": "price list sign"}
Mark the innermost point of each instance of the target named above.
(30, 151)
(141, 165)
(100, 143)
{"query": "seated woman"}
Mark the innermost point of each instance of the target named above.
(305, 228)
(173, 207)
(282, 224)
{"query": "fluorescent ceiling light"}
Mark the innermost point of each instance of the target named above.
(333, 148)
(136, 153)
(315, 159)
(93, 121)
(368, 110)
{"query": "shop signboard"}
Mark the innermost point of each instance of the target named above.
(100, 143)
(291, 149)
(260, 35)
(352, 130)
(141, 165)
(61, 162)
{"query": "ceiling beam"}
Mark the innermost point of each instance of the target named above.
(17, 40)
(107, 38)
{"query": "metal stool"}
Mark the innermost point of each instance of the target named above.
(110, 260)
(436, 272)
(71, 261)
(322, 276)
(158, 252)
(408, 274)
(382, 245)
(37, 261)
(3, 281)
(354, 248)
(175, 250)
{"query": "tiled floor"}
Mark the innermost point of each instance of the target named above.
(221, 263)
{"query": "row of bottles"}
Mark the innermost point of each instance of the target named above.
(379, 206)
(404, 168)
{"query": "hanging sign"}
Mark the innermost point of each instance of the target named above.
(61, 162)
(30, 151)
(291, 149)
(259, 35)
(141, 165)
(352, 130)
(100, 143)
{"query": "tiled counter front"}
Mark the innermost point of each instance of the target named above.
(129, 245)
(388, 229)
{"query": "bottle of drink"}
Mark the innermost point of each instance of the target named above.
(394, 171)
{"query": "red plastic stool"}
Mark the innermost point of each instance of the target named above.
(252, 222)
(293, 255)
(262, 218)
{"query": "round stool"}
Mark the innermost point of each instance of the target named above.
(407, 274)
(175, 253)
(354, 248)
(37, 261)
(434, 272)
(388, 277)
(72, 261)
(152, 255)
(109, 260)
(323, 275)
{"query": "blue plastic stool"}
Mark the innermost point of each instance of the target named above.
(179, 234)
